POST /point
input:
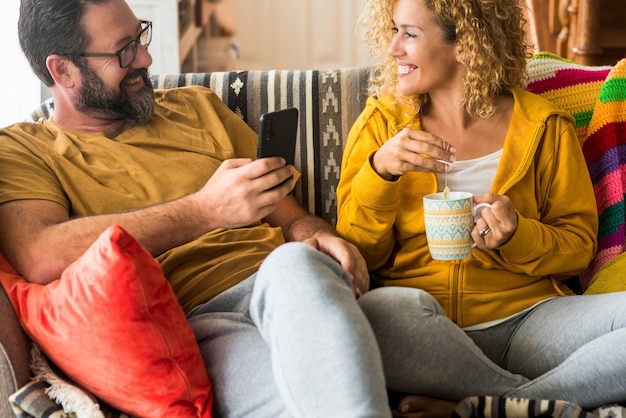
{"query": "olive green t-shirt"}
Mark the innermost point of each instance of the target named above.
(189, 136)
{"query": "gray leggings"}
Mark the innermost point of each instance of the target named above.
(291, 342)
(570, 348)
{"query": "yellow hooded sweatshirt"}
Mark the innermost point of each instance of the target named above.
(542, 171)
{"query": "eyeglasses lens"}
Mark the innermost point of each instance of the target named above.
(128, 54)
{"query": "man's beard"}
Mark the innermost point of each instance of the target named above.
(98, 100)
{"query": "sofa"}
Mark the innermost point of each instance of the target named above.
(330, 100)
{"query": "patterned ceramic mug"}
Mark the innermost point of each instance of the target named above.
(449, 224)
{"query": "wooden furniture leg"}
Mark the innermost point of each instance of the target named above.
(586, 47)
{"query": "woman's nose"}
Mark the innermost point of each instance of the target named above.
(394, 48)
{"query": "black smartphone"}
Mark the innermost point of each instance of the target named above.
(277, 134)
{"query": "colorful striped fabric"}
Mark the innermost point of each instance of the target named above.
(605, 152)
(570, 86)
(596, 97)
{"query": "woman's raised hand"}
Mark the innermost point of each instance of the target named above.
(412, 150)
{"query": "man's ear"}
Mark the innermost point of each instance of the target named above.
(62, 70)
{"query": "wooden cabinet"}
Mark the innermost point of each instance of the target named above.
(590, 32)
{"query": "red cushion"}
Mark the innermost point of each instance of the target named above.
(112, 324)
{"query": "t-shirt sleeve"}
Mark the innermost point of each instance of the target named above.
(24, 172)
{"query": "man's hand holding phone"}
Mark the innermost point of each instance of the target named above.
(243, 191)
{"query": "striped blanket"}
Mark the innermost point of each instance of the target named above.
(605, 152)
(596, 97)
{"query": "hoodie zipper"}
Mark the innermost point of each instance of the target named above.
(456, 268)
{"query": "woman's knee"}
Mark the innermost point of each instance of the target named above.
(387, 306)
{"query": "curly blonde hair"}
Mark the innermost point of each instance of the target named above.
(491, 39)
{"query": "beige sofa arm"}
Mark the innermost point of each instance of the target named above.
(14, 354)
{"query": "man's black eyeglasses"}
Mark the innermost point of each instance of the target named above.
(127, 54)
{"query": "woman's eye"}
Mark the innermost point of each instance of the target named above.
(406, 34)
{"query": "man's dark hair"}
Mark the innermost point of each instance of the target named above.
(47, 27)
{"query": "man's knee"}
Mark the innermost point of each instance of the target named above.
(295, 262)
(293, 256)
(298, 273)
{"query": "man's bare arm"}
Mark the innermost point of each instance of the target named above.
(40, 239)
(44, 240)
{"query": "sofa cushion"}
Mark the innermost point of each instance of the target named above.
(112, 324)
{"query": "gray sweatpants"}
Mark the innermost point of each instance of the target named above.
(569, 348)
(291, 341)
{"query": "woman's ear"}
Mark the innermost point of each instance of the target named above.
(62, 70)
(459, 58)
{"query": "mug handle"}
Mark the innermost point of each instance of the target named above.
(476, 213)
